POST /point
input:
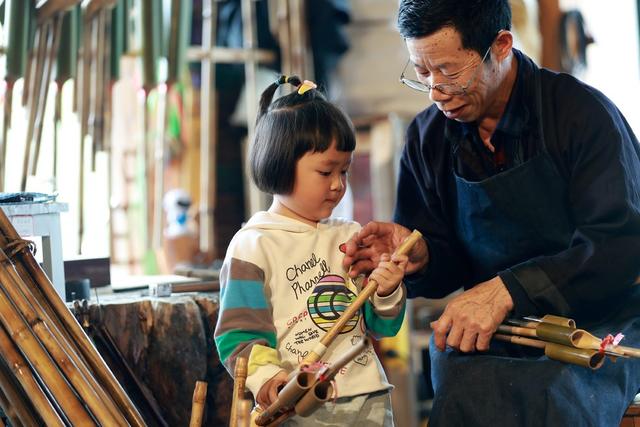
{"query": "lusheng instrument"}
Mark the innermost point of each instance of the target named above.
(562, 341)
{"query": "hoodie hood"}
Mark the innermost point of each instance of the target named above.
(272, 221)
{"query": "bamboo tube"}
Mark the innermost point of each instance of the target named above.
(198, 403)
(555, 320)
(23, 374)
(53, 43)
(307, 391)
(33, 87)
(322, 390)
(75, 370)
(577, 356)
(353, 308)
(244, 413)
(239, 380)
(9, 411)
(10, 284)
(16, 401)
(43, 290)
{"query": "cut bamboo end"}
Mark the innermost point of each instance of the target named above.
(197, 404)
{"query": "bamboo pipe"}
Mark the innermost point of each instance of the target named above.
(9, 280)
(198, 403)
(244, 412)
(353, 308)
(42, 364)
(33, 89)
(9, 411)
(577, 356)
(41, 287)
(322, 390)
(306, 391)
(52, 51)
(239, 380)
(15, 399)
(282, 407)
(23, 374)
(35, 314)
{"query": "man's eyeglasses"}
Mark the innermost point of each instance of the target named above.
(446, 88)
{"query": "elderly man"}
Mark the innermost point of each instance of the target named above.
(526, 186)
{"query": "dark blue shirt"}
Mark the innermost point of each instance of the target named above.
(598, 157)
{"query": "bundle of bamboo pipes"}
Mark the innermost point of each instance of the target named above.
(50, 372)
(562, 341)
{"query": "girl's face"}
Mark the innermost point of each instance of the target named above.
(320, 183)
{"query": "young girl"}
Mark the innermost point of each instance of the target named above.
(283, 284)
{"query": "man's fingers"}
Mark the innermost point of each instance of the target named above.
(483, 342)
(440, 328)
(455, 336)
(468, 341)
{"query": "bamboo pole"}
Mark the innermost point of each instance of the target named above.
(24, 375)
(582, 357)
(42, 363)
(53, 42)
(353, 308)
(9, 411)
(16, 400)
(42, 288)
(198, 403)
(239, 380)
(9, 280)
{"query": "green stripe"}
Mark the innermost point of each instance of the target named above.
(384, 327)
(227, 342)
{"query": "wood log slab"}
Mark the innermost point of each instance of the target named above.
(168, 343)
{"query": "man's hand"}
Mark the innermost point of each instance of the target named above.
(471, 318)
(269, 391)
(363, 249)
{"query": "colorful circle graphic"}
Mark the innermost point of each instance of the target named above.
(330, 298)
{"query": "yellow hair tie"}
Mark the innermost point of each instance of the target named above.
(305, 86)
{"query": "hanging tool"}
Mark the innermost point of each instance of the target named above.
(65, 70)
(18, 23)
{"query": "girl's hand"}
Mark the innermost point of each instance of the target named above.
(389, 273)
(269, 391)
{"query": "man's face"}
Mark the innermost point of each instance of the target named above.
(440, 59)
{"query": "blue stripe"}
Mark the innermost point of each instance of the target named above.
(242, 294)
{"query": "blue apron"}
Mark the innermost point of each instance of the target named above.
(501, 221)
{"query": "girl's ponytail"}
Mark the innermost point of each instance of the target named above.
(267, 95)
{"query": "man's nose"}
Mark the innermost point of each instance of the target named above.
(436, 95)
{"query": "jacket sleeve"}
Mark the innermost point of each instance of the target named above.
(384, 315)
(601, 263)
(245, 323)
(420, 206)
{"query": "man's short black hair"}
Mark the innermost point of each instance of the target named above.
(477, 21)
(290, 127)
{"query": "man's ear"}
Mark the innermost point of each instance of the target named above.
(502, 45)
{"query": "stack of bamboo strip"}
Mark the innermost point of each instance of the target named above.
(50, 372)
